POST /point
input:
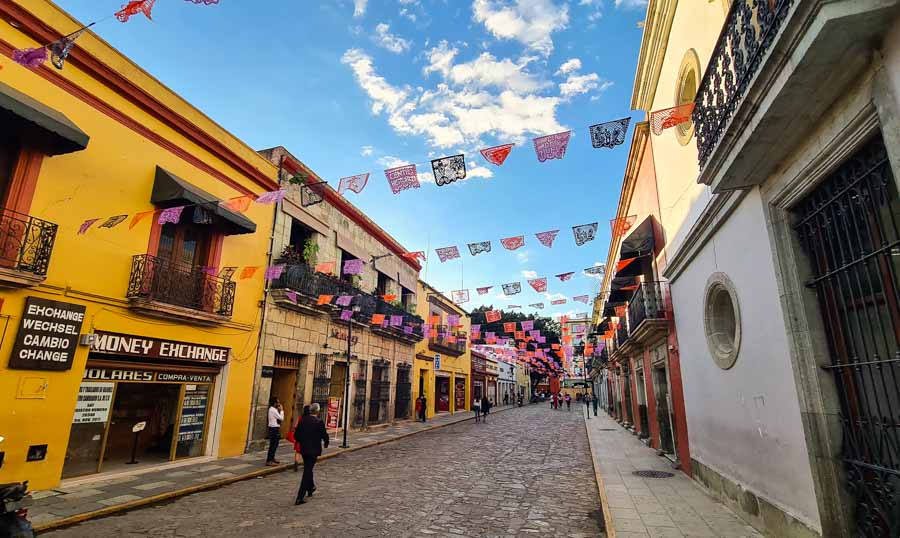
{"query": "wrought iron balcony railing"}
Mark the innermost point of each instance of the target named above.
(26, 242)
(163, 281)
(749, 30)
(622, 332)
(648, 302)
(440, 340)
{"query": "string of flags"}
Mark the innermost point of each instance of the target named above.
(58, 51)
(539, 285)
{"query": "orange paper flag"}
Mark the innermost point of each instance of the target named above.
(519, 335)
(325, 299)
(325, 267)
(388, 298)
(138, 217)
(451, 339)
(435, 320)
(567, 339)
(554, 346)
(377, 319)
(248, 271)
(239, 204)
(509, 327)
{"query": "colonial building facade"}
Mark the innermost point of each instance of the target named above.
(118, 322)
(304, 346)
(779, 211)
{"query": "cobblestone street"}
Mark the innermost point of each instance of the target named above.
(526, 472)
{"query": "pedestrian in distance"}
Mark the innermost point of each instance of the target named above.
(587, 403)
(485, 408)
(276, 417)
(476, 406)
(290, 437)
(568, 402)
(420, 408)
(506, 399)
(311, 434)
(594, 404)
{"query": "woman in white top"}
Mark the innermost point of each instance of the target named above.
(276, 417)
(476, 406)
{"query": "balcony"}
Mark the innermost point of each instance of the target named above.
(647, 312)
(309, 285)
(774, 74)
(161, 288)
(442, 344)
(26, 244)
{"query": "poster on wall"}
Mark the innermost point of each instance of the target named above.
(48, 335)
(193, 421)
(93, 403)
(333, 412)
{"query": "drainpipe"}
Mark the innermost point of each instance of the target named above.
(262, 321)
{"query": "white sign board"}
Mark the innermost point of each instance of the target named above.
(94, 401)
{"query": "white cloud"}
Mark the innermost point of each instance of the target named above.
(475, 170)
(366, 151)
(531, 22)
(408, 14)
(522, 256)
(409, 2)
(453, 116)
(386, 40)
(629, 4)
(389, 161)
(579, 84)
(569, 66)
(440, 59)
(529, 274)
(486, 71)
(359, 7)
(555, 296)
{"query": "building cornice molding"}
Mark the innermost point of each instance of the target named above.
(716, 212)
(657, 26)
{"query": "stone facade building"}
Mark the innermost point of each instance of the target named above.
(302, 354)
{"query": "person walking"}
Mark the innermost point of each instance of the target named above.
(485, 408)
(420, 408)
(594, 404)
(276, 417)
(290, 437)
(568, 402)
(506, 398)
(587, 403)
(311, 434)
(476, 406)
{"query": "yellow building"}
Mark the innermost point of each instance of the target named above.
(442, 367)
(124, 327)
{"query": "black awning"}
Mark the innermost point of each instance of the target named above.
(621, 290)
(170, 190)
(640, 242)
(609, 310)
(49, 129)
(631, 267)
(604, 325)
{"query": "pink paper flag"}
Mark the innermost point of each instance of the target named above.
(274, 271)
(460, 296)
(353, 267)
(546, 238)
(558, 301)
(133, 8)
(582, 298)
(539, 284)
(354, 183)
(402, 178)
(171, 214)
(565, 276)
(343, 300)
(512, 243)
(497, 154)
(485, 290)
(346, 315)
(271, 197)
(552, 146)
(447, 253)
(86, 225)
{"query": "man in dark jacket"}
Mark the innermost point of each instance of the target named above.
(311, 434)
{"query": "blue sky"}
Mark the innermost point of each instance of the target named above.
(352, 86)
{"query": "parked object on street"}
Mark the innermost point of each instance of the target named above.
(14, 502)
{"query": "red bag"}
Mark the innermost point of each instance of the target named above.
(290, 434)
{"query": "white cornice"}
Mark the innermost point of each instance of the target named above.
(657, 26)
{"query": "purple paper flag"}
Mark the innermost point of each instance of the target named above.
(396, 321)
(527, 325)
(534, 334)
(273, 272)
(346, 315)
(489, 335)
(426, 326)
(476, 328)
(385, 322)
(30, 57)
(86, 225)
(170, 214)
(292, 295)
(271, 197)
(552, 146)
(353, 267)
(453, 320)
(344, 300)
(407, 330)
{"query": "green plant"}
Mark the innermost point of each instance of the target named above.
(355, 280)
(310, 251)
(290, 255)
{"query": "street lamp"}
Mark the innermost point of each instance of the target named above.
(355, 309)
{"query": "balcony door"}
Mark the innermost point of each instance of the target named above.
(185, 245)
(182, 251)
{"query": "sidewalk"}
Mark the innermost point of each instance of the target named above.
(87, 498)
(636, 506)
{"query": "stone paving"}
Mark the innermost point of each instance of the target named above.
(526, 472)
(658, 507)
(107, 491)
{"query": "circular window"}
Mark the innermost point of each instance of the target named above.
(686, 91)
(722, 320)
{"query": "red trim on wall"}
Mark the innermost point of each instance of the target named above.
(292, 166)
(24, 179)
(36, 29)
(153, 239)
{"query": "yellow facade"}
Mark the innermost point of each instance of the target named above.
(455, 358)
(115, 175)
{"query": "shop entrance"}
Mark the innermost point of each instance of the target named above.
(155, 405)
(442, 394)
(284, 387)
(338, 379)
(460, 394)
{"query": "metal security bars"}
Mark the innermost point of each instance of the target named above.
(647, 303)
(848, 228)
(403, 391)
(359, 395)
(164, 281)
(25, 242)
(321, 381)
(379, 385)
(748, 32)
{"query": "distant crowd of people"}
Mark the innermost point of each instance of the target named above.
(558, 399)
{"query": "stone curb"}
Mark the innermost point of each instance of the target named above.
(601, 487)
(146, 501)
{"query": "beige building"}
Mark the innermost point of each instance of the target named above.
(302, 354)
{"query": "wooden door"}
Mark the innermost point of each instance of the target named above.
(442, 394)
(284, 383)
